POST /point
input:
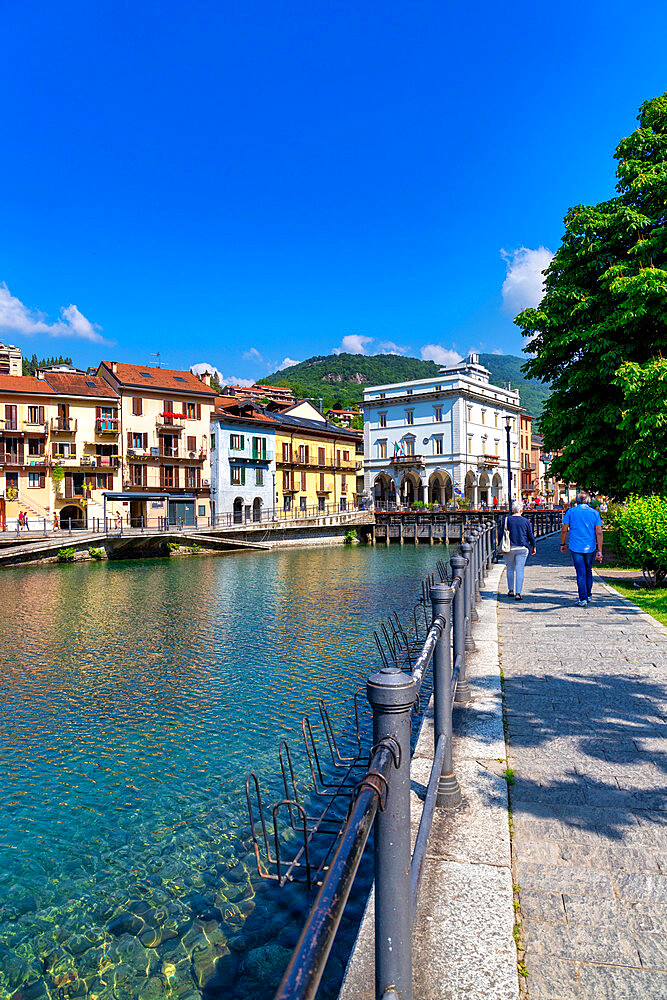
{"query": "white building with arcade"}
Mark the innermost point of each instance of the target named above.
(439, 439)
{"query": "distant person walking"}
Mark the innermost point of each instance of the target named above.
(581, 532)
(522, 540)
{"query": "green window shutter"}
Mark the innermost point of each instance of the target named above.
(243, 475)
(242, 443)
(231, 440)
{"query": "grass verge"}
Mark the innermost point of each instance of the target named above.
(652, 601)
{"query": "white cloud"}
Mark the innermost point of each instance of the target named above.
(206, 366)
(286, 363)
(497, 350)
(15, 318)
(354, 343)
(524, 283)
(252, 355)
(441, 355)
(389, 347)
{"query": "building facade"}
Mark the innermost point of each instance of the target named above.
(243, 464)
(441, 439)
(316, 462)
(26, 408)
(164, 442)
(11, 360)
(280, 394)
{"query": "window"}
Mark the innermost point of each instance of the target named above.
(259, 448)
(236, 442)
(303, 485)
(343, 484)
(382, 449)
(238, 475)
(212, 442)
(138, 475)
(483, 416)
(338, 458)
(383, 419)
(12, 480)
(35, 414)
(470, 413)
(137, 406)
(178, 378)
(321, 482)
(321, 456)
(259, 477)
(438, 388)
(437, 413)
(35, 446)
(409, 392)
(90, 384)
(192, 477)
(63, 449)
(496, 445)
(191, 443)
(11, 420)
(105, 482)
(137, 440)
(383, 395)
(469, 445)
(483, 446)
(288, 481)
(303, 503)
(409, 417)
(191, 411)
(495, 418)
(146, 374)
(438, 445)
(346, 456)
(167, 475)
(35, 480)
(286, 451)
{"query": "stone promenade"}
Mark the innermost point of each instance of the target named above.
(586, 699)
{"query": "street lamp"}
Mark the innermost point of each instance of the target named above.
(509, 466)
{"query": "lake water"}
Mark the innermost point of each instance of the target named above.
(134, 699)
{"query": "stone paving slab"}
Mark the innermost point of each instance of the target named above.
(586, 698)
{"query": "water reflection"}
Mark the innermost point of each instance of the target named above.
(134, 699)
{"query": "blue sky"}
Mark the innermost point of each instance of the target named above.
(241, 183)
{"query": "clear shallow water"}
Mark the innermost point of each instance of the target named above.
(134, 698)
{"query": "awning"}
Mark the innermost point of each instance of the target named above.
(108, 495)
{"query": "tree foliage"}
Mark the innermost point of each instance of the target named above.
(30, 367)
(605, 304)
(642, 536)
(644, 423)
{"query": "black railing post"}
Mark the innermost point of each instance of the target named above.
(466, 552)
(449, 791)
(472, 575)
(391, 694)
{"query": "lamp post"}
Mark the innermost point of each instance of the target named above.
(509, 466)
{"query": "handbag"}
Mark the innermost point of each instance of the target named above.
(506, 544)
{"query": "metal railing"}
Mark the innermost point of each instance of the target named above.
(268, 515)
(380, 797)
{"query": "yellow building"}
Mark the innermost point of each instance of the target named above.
(26, 406)
(316, 462)
(83, 453)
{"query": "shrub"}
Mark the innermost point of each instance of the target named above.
(173, 546)
(418, 505)
(350, 536)
(96, 553)
(642, 536)
(66, 555)
(195, 548)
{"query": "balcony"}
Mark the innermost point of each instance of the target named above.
(11, 458)
(107, 425)
(401, 461)
(33, 428)
(63, 425)
(314, 463)
(170, 423)
(237, 456)
(36, 460)
(488, 461)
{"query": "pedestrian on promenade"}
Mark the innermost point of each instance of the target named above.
(25, 520)
(581, 531)
(522, 540)
(56, 524)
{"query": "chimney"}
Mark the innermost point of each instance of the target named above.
(206, 378)
(114, 368)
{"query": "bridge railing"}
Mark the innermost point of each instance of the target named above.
(232, 519)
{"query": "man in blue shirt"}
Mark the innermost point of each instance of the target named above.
(584, 526)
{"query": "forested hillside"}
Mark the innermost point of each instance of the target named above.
(342, 377)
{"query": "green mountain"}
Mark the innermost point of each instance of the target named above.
(343, 377)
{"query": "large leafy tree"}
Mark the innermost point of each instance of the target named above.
(605, 304)
(644, 419)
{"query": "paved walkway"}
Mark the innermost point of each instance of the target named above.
(586, 699)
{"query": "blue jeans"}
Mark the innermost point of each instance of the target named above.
(516, 563)
(583, 567)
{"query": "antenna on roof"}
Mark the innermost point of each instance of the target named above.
(156, 355)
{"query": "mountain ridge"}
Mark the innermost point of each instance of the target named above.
(343, 377)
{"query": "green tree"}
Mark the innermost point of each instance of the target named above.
(605, 304)
(644, 423)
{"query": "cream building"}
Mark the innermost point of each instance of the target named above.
(163, 442)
